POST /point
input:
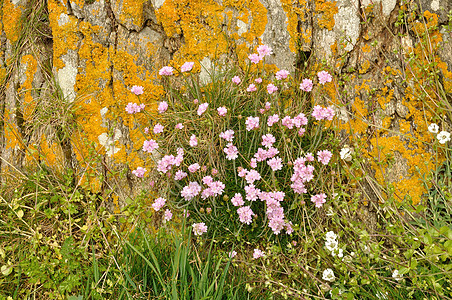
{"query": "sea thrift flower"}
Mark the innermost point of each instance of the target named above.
(231, 152)
(179, 126)
(166, 71)
(191, 190)
(254, 58)
(237, 200)
(252, 176)
(158, 203)
(328, 275)
(251, 123)
(258, 253)
(193, 168)
(180, 175)
(301, 131)
(187, 66)
(214, 172)
(328, 113)
(318, 199)
(252, 193)
(282, 74)
(271, 88)
(253, 163)
(324, 156)
(158, 128)
(163, 106)
(443, 137)
(132, 108)
(275, 163)
(433, 128)
(288, 122)
(324, 77)
(137, 90)
(258, 80)
(228, 135)
(272, 120)
(267, 105)
(232, 254)
(309, 156)
(149, 146)
(306, 85)
(245, 214)
(167, 215)
(268, 140)
(202, 108)
(300, 120)
(196, 101)
(139, 172)
(193, 141)
(236, 79)
(199, 228)
(146, 130)
(222, 111)
(264, 50)
(251, 88)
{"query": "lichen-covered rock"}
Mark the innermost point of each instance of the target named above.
(97, 50)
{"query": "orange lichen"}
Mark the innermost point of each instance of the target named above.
(325, 11)
(25, 90)
(11, 19)
(296, 11)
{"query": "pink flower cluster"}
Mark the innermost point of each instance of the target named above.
(165, 164)
(191, 190)
(187, 66)
(236, 79)
(199, 228)
(271, 88)
(324, 156)
(252, 123)
(306, 85)
(214, 188)
(231, 151)
(302, 174)
(132, 108)
(323, 113)
(228, 135)
(137, 90)
(275, 212)
(324, 77)
(158, 203)
(318, 199)
(149, 146)
(282, 74)
(139, 172)
(163, 106)
(202, 108)
(245, 214)
(166, 71)
(262, 51)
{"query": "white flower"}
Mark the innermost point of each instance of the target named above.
(443, 137)
(346, 153)
(396, 275)
(433, 128)
(330, 235)
(331, 245)
(328, 275)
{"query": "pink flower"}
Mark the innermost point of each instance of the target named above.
(146, 130)
(251, 88)
(158, 128)
(252, 193)
(167, 215)
(199, 228)
(193, 168)
(139, 172)
(137, 90)
(282, 74)
(245, 214)
(253, 163)
(252, 176)
(132, 108)
(237, 200)
(306, 85)
(166, 71)
(258, 253)
(202, 108)
(267, 105)
(228, 135)
(324, 77)
(191, 190)
(288, 122)
(300, 120)
(301, 131)
(231, 152)
(264, 50)
(214, 172)
(258, 80)
(268, 140)
(324, 156)
(318, 199)
(236, 79)
(254, 58)
(317, 112)
(187, 66)
(232, 254)
(196, 101)
(222, 111)
(309, 156)
(272, 120)
(180, 175)
(179, 126)
(193, 141)
(271, 88)
(275, 163)
(251, 123)
(158, 203)
(329, 113)
(149, 146)
(163, 106)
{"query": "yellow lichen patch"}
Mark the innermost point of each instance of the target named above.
(13, 138)
(132, 10)
(366, 48)
(296, 11)
(364, 67)
(11, 19)
(325, 11)
(25, 90)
